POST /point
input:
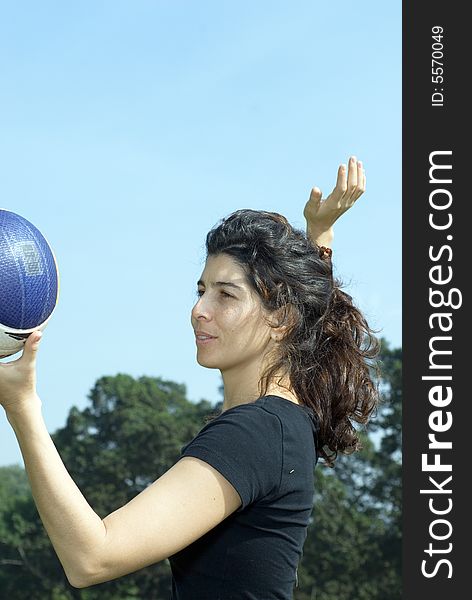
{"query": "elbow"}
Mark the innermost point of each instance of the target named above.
(78, 579)
(78, 585)
(77, 582)
(82, 577)
(81, 581)
(87, 576)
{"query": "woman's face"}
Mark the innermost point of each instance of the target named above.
(231, 330)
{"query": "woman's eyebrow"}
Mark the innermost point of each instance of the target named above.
(221, 283)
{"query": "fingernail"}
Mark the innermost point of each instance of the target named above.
(360, 164)
(353, 158)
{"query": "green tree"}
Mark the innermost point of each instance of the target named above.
(28, 565)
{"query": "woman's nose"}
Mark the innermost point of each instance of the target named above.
(201, 310)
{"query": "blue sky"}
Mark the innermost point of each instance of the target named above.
(130, 128)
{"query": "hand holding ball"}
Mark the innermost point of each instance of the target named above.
(29, 281)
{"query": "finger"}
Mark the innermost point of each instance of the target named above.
(31, 346)
(360, 178)
(355, 191)
(352, 175)
(315, 195)
(361, 184)
(313, 204)
(341, 183)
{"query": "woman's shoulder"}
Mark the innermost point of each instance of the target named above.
(268, 415)
(284, 407)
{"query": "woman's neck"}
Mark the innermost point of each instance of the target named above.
(242, 387)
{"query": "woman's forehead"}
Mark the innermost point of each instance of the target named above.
(223, 268)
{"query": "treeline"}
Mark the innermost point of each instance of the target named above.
(132, 431)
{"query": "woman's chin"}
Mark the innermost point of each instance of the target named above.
(206, 362)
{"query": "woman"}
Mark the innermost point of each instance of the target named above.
(232, 514)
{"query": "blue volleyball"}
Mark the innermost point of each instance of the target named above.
(29, 281)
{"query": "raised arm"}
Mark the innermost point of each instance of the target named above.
(321, 214)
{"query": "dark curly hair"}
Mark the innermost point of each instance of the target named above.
(328, 348)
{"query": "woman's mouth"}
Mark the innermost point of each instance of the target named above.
(203, 338)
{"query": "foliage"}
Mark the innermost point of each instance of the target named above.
(132, 431)
(28, 566)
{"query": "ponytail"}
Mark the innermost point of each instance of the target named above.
(340, 389)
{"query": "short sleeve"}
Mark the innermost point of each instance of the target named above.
(245, 445)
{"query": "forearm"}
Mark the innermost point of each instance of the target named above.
(73, 527)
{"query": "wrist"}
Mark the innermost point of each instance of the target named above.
(24, 409)
(321, 236)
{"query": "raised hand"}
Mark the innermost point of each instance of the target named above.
(321, 214)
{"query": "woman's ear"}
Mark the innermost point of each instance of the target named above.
(281, 321)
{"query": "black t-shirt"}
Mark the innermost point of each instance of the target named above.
(266, 450)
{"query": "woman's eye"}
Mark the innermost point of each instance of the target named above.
(222, 293)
